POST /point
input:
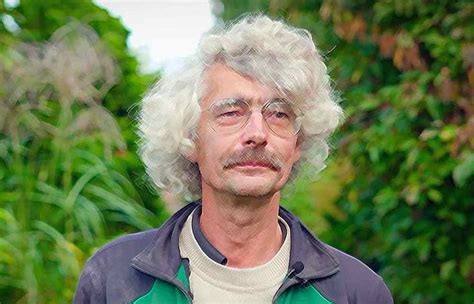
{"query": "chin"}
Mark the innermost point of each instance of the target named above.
(252, 193)
(252, 190)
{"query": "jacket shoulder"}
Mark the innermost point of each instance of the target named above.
(362, 284)
(110, 262)
(119, 251)
(129, 243)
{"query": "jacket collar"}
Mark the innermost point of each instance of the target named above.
(317, 260)
(161, 258)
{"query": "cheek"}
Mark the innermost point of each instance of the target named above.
(210, 154)
(297, 154)
(292, 152)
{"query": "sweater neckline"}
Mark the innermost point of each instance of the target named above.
(261, 277)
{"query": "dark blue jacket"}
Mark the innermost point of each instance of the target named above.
(147, 267)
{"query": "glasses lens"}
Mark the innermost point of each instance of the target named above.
(281, 118)
(228, 115)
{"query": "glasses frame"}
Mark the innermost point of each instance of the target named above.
(298, 115)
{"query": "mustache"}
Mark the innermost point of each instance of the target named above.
(260, 156)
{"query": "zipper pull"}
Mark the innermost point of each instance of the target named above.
(295, 269)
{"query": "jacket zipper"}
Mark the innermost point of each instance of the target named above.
(173, 281)
(179, 285)
(287, 283)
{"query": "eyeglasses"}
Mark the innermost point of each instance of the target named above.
(231, 114)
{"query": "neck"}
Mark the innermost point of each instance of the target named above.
(244, 229)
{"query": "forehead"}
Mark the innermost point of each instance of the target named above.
(223, 82)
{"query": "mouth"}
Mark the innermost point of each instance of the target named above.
(252, 165)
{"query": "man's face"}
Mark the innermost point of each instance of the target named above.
(252, 160)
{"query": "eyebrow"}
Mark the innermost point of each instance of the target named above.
(250, 101)
(227, 100)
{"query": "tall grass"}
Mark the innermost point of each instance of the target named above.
(62, 191)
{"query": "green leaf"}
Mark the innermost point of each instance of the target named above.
(448, 133)
(463, 171)
(459, 218)
(423, 248)
(435, 195)
(467, 266)
(446, 269)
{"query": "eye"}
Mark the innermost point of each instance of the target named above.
(229, 108)
(279, 111)
(230, 114)
(281, 115)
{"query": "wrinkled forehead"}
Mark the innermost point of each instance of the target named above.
(221, 81)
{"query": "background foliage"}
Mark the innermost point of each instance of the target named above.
(70, 179)
(397, 193)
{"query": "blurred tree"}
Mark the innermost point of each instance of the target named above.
(405, 158)
(38, 20)
(70, 179)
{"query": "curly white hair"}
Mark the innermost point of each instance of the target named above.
(270, 51)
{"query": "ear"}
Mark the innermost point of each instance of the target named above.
(192, 157)
(298, 148)
(192, 153)
(298, 152)
(190, 147)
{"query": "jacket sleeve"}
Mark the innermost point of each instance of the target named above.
(90, 288)
(381, 293)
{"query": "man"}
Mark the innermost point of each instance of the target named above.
(231, 127)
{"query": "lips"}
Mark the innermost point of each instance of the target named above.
(253, 165)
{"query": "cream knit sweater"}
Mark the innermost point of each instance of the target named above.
(212, 282)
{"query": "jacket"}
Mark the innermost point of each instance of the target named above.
(147, 267)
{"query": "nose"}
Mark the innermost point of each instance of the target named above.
(256, 130)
